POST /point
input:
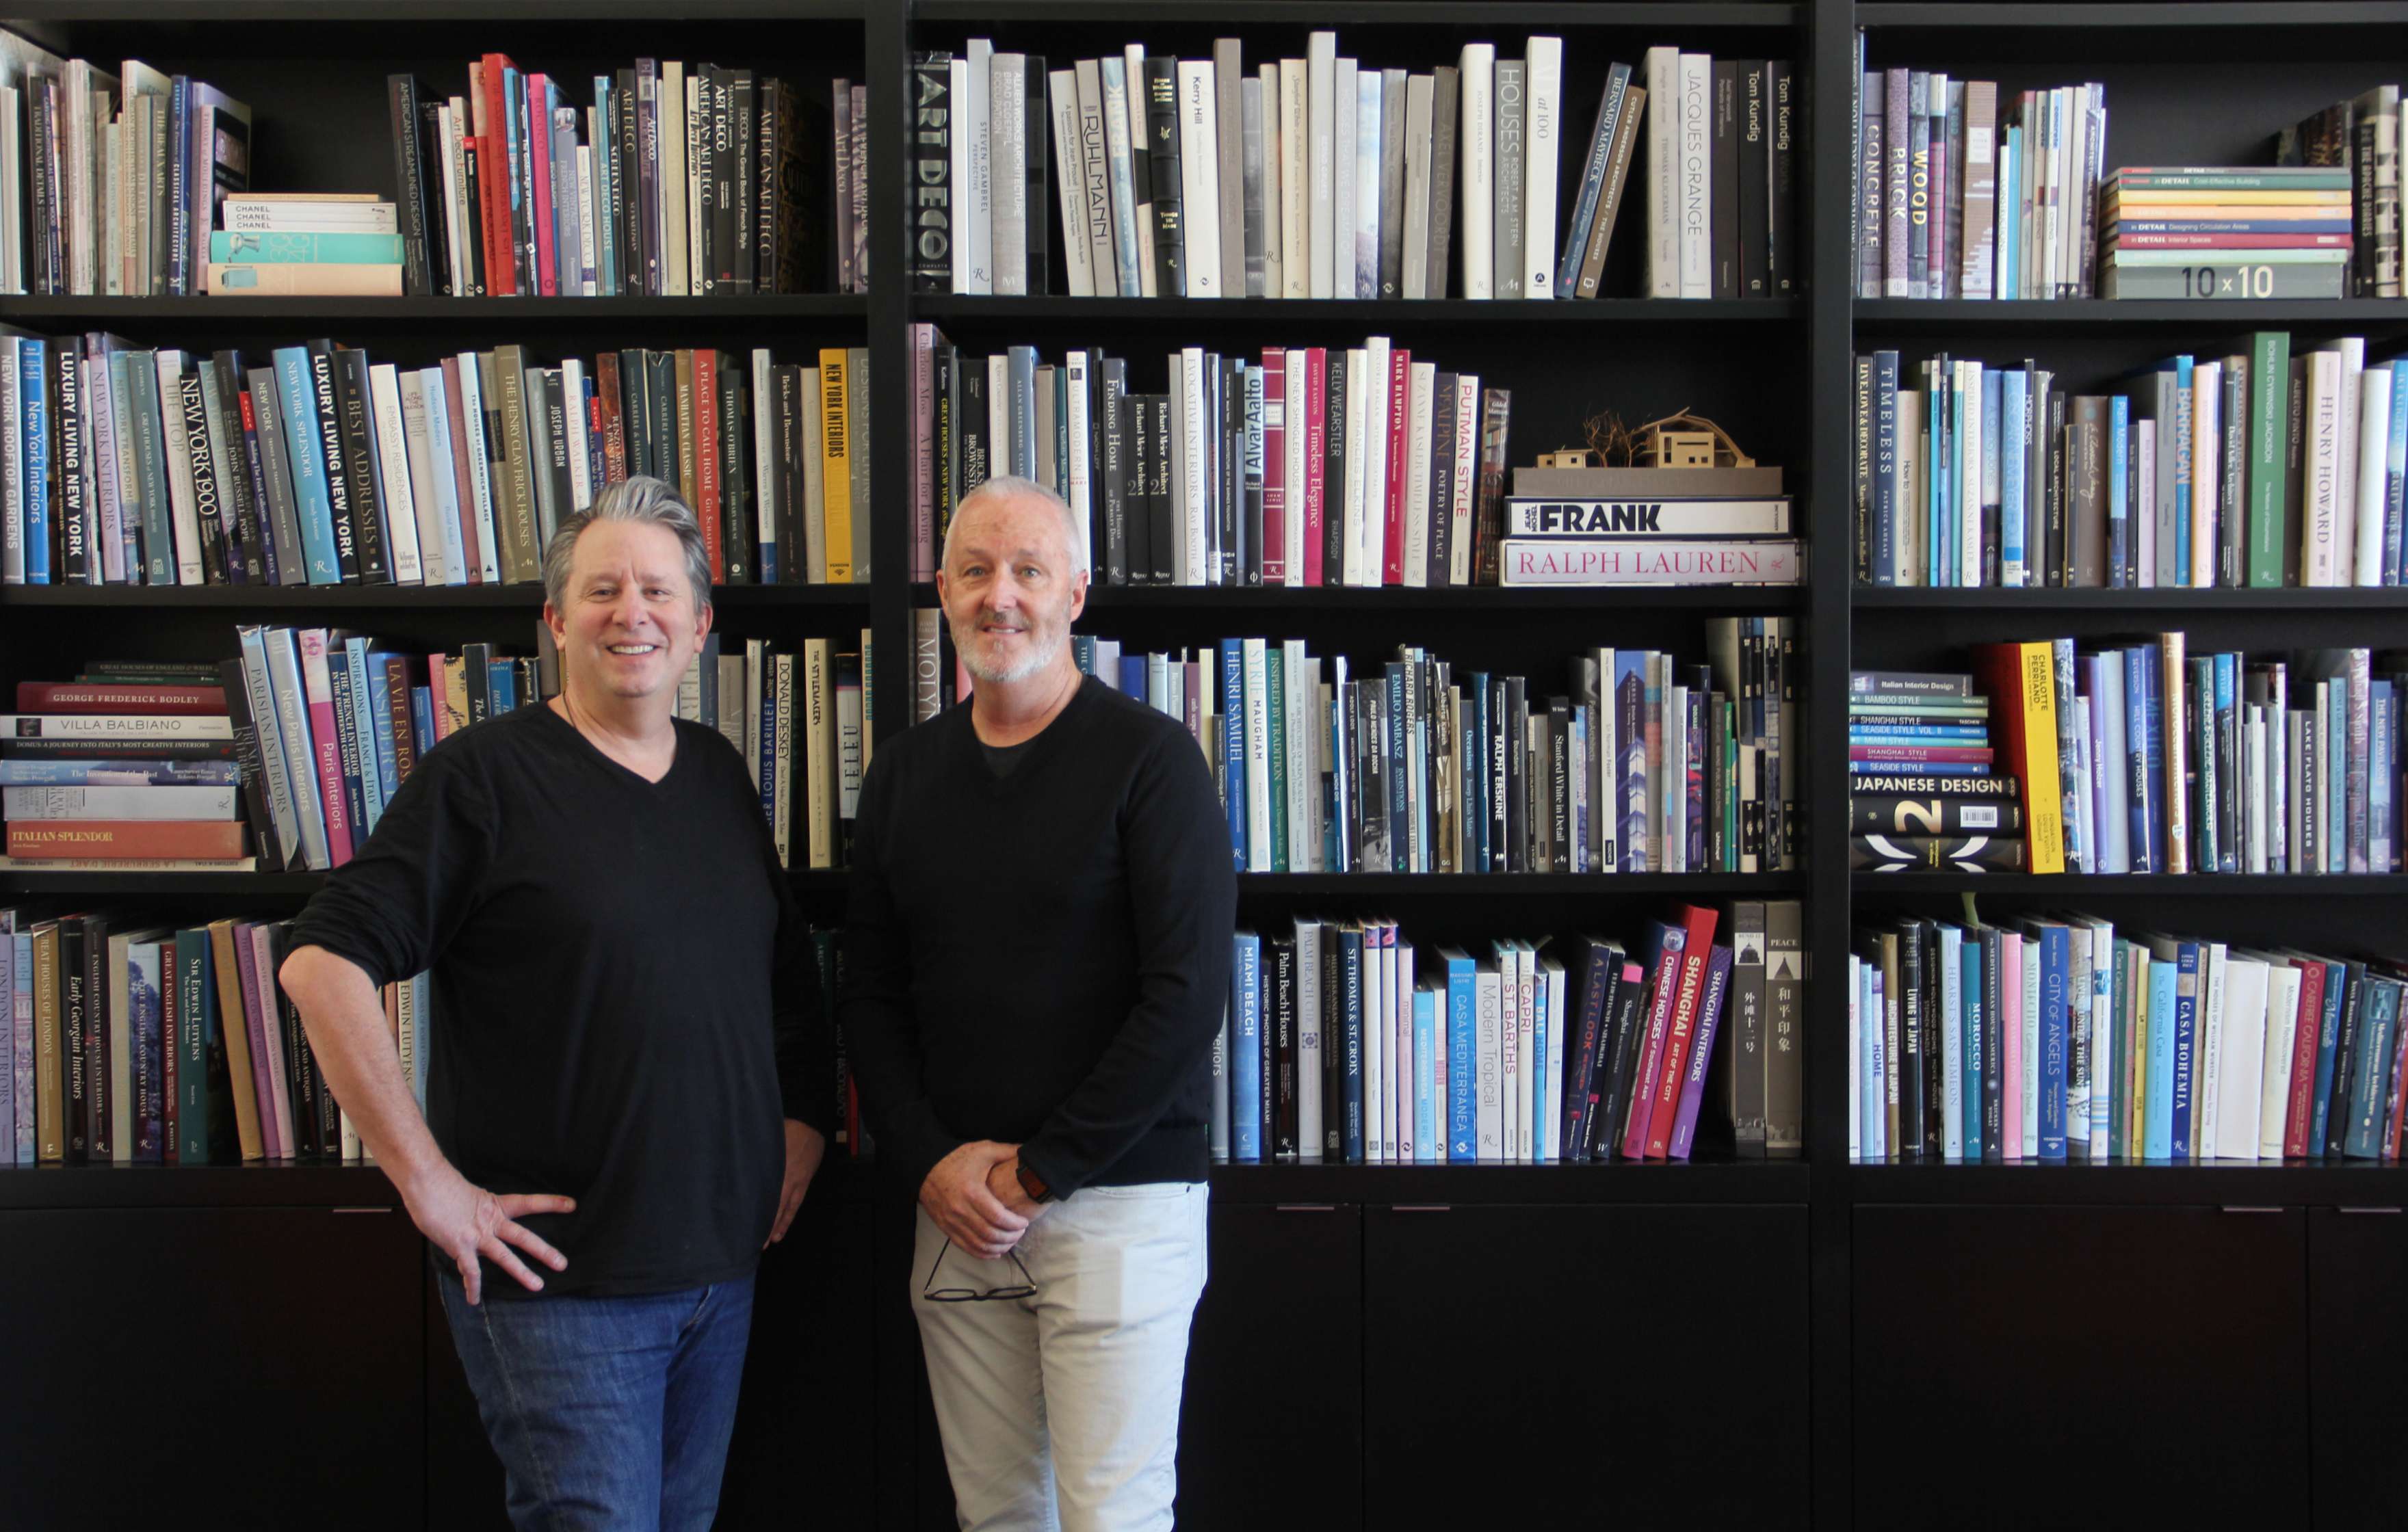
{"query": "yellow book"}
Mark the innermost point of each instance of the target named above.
(49, 1062)
(836, 463)
(237, 1038)
(819, 752)
(451, 702)
(2021, 679)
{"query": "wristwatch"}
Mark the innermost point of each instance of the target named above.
(1033, 1183)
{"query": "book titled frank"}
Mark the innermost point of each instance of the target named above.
(1529, 515)
(1597, 560)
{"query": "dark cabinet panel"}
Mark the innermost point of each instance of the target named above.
(463, 1477)
(267, 1358)
(2357, 1358)
(1270, 1433)
(805, 1448)
(1545, 1366)
(2022, 1367)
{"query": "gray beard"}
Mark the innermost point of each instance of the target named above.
(1039, 658)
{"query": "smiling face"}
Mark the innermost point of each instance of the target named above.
(1010, 587)
(628, 627)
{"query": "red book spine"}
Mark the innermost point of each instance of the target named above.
(1400, 414)
(2302, 1114)
(706, 472)
(613, 424)
(1651, 1060)
(318, 690)
(1316, 459)
(1682, 1031)
(1275, 466)
(2232, 241)
(115, 838)
(51, 697)
(493, 174)
(536, 133)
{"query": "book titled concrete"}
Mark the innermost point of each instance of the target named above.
(1613, 561)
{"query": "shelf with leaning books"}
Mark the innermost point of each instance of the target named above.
(1878, 602)
(1717, 1178)
(238, 598)
(969, 314)
(2077, 316)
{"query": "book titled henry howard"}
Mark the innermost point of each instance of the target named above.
(1604, 561)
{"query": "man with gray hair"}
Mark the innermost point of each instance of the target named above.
(631, 1077)
(1037, 952)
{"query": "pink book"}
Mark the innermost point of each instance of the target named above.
(1669, 940)
(1316, 458)
(271, 1028)
(2011, 1030)
(1401, 418)
(461, 467)
(1274, 467)
(1399, 957)
(320, 693)
(924, 469)
(271, 1123)
(534, 136)
(1693, 1088)
(1696, 949)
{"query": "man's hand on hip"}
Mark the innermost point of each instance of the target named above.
(957, 1197)
(465, 1221)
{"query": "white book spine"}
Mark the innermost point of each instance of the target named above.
(2244, 1058)
(1466, 453)
(1477, 191)
(447, 150)
(2206, 470)
(400, 500)
(1008, 148)
(2274, 1066)
(195, 802)
(1541, 140)
(1488, 1024)
(586, 261)
(1297, 248)
(1310, 1044)
(1369, 122)
(108, 503)
(1423, 378)
(1070, 183)
(1191, 464)
(1199, 177)
(1077, 474)
(180, 468)
(1346, 117)
(1178, 558)
(1663, 172)
(1095, 180)
(1258, 759)
(697, 118)
(1321, 148)
(443, 475)
(977, 137)
(1293, 385)
(1129, 263)
(418, 453)
(2374, 422)
(1133, 68)
(764, 454)
(1697, 175)
(1274, 208)
(481, 483)
(958, 159)
(2320, 519)
(1413, 279)
(2206, 1122)
(580, 464)
(1366, 514)
(672, 199)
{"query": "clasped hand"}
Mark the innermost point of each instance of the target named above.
(974, 1196)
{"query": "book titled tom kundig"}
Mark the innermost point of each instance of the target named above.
(1650, 560)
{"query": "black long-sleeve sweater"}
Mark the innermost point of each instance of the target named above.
(1042, 958)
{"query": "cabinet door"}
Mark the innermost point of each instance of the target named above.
(261, 1357)
(2100, 1366)
(2357, 1342)
(1270, 1432)
(805, 1443)
(1551, 1366)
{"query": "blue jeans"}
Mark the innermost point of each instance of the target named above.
(606, 1413)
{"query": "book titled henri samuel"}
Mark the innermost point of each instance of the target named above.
(1604, 561)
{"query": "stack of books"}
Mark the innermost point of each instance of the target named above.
(112, 183)
(166, 467)
(2061, 1039)
(679, 179)
(1649, 526)
(306, 244)
(127, 768)
(1643, 762)
(1922, 789)
(2227, 232)
(1345, 1044)
(2361, 137)
(1321, 178)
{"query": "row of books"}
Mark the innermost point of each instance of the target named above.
(2065, 1039)
(165, 468)
(2260, 469)
(2148, 758)
(1313, 466)
(112, 183)
(1343, 1044)
(675, 179)
(2225, 231)
(2366, 138)
(123, 1042)
(181, 805)
(306, 244)
(800, 716)
(1960, 195)
(1642, 764)
(1321, 178)
(1922, 790)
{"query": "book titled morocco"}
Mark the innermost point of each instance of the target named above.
(113, 839)
(1604, 561)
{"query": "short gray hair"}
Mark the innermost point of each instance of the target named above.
(1003, 486)
(637, 499)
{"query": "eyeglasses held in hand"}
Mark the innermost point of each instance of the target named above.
(1024, 1288)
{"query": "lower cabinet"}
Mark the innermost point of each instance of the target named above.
(263, 1361)
(2095, 1365)
(1585, 1366)
(2358, 1349)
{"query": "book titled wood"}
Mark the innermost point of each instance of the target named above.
(113, 839)
(1529, 515)
(1598, 561)
(1934, 854)
(2238, 280)
(120, 803)
(46, 697)
(304, 280)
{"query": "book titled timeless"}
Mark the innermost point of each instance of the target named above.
(1528, 516)
(1597, 560)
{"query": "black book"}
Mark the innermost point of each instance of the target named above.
(1755, 181)
(971, 427)
(1225, 424)
(191, 420)
(1559, 784)
(276, 475)
(1591, 1047)
(75, 1040)
(360, 462)
(472, 175)
(1400, 713)
(735, 499)
(1724, 146)
(440, 277)
(1279, 1095)
(221, 379)
(2059, 547)
(2353, 1007)
(1111, 424)
(1162, 156)
(476, 660)
(76, 524)
(99, 1048)
(1910, 1104)
(409, 186)
(1162, 500)
(1499, 777)
(325, 392)
(1518, 828)
(1333, 512)
(945, 424)
(932, 209)
(1442, 479)
(1626, 1032)
(1392, 183)
(1785, 268)
(1137, 494)
(744, 182)
(1040, 216)
(264, 843)
(660, 409)
(787, 431)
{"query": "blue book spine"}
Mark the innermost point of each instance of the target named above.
(2327, 1052)
(606, 174)
(1131, 680)
(1873, 1070)
(1462, 1101)
(2158, 1120)
(2119, 508)
(1233, 744)
(1985, 514)
(1886, 488)
(2010, 215)
(1350, 980)
(2153, 730)
(1425, 1076)
(386, 672)
(2185, 1040)
(1970, 987)
(422, 716)
(1952, 1042)
(34, 454)
(375, 730)
(502, 685)
(307, 454)
(2382, 756)
(2014, 410)
(2055, 1010)
(2394, 474)
(2228, 686)
(1246, 1049)
(2371, 1078)
(1935, 482)
(2183, 445)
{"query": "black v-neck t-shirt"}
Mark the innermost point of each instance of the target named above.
(626, 1003)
